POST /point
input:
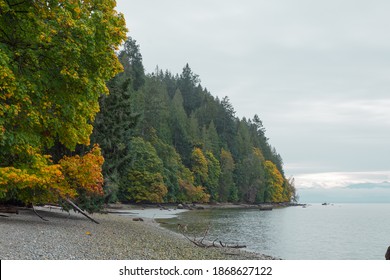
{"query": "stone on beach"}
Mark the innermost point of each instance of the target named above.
(64, 236)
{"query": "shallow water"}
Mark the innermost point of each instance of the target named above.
(332, 232)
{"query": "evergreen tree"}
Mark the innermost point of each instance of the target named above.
(173, 170)
(205, 150)
(113, 129)
(210, 139)
(227, 189)
(226, 125)
(213, 174)
(188, 85)
(131, 59)
(179, 128)
(119, 114)
(144, 175)
(250, 177)
(155, 115)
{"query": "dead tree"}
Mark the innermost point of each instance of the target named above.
(80, 211)
(15, 210)
(201, 242)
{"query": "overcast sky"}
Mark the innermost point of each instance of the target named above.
(316, 72)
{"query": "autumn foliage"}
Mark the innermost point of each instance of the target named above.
(55, 60)
(84, 172)
(39, 182)
(45, 182)
(164, 137)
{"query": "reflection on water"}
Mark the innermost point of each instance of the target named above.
(344, 231)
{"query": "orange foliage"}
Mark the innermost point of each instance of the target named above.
(84, 172)
(45, 182)
(41, 182)
(188, 192)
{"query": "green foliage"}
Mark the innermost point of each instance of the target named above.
(250, 176)
(188, 191)
(199, 166)
(188, 86)
(172, 168)
(144, 180)
(131, 59)
(214, 172)
(227, 190)
(202, 150)
(164, 137)
(55, 57)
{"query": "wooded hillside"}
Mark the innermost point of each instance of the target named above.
(166, 138)
(158, 137)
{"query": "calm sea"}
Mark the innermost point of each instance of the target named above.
(332, 232)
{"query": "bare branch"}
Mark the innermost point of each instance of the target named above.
(80, 211)
(202, 243)
(36, 213)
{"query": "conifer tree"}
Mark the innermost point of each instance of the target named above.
(227, 188)
(144, 181)
(115, 123)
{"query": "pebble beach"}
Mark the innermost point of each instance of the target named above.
(71, 236)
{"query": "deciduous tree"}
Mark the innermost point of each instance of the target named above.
(55, 57)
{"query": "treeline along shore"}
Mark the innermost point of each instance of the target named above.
(83, 124)
(71, 236)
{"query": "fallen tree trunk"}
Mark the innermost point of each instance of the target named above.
(15, 210)
(80, 211)
(201, 242)
(9, 209)
(207, 244)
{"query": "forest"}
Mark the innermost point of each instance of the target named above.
(80, 119)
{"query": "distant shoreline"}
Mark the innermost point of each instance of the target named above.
(196, 206)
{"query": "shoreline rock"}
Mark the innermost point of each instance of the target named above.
(73, 237)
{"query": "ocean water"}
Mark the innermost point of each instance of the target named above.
(317, 232)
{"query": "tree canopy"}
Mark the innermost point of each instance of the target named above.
(55, 59)
(204, 152)
(80, 119)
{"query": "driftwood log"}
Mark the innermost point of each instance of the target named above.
(80, 211)
(15, 210)
(201, 242)
(9, 209)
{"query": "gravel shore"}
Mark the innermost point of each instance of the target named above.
(73, 237)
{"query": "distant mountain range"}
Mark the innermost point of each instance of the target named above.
(355, 193)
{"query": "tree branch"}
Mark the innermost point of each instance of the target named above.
(36, 213)
(80, 211)
(200, 242)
